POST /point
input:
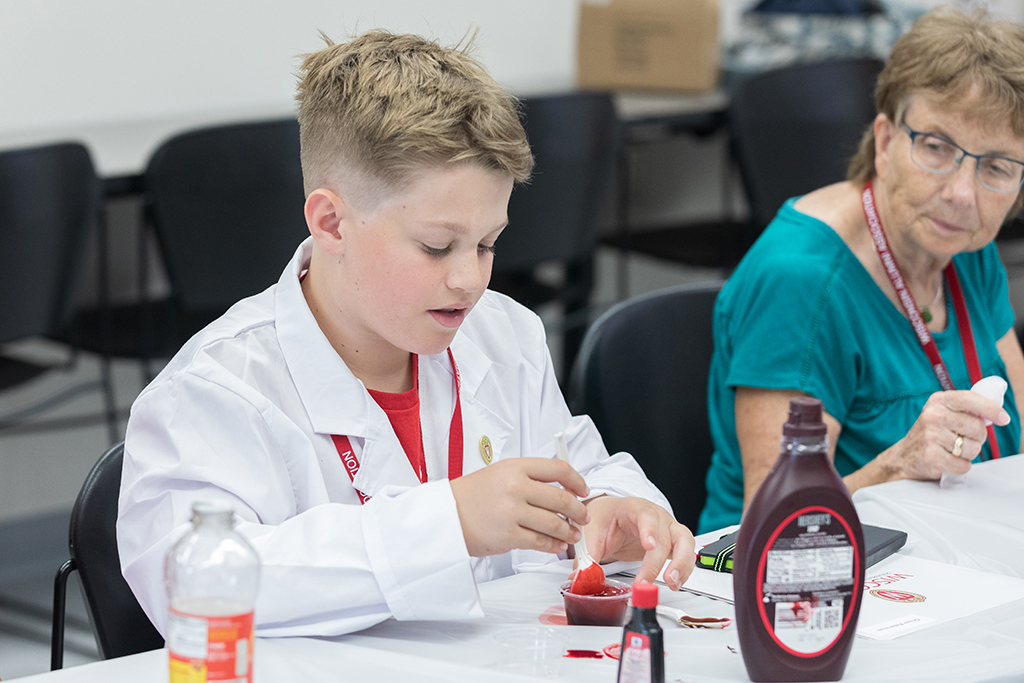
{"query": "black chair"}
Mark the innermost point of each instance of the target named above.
(554, 219)
(49, 201)
(792, 130)
(642, 376)
(225, 204)
(120, 625)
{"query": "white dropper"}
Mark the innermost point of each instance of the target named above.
(994, 389)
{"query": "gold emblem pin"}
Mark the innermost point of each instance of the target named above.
(485, 450)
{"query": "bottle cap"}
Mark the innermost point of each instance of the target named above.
(804, 418)
(212, 510)
(645, 595)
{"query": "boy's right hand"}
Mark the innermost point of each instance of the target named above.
(510, 505)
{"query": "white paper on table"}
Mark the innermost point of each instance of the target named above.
(949, 592)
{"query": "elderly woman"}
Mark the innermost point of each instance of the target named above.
(884, 296)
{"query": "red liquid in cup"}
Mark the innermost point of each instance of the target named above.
(607, 608)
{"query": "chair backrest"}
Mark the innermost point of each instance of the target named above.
(49, 198)
(226, 205)
(642, 376)
(121, 627)
(795, 129)
(574, 139)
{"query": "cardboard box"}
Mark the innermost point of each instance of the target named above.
(648, 45)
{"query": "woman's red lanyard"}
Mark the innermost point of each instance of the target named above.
(924, 335)
(348, 457)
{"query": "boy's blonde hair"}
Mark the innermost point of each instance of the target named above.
(969, 64)
(378, 110)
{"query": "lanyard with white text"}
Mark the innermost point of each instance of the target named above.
(348, 457)
(924, 335)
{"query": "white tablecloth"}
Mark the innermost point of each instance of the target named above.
(981, 527)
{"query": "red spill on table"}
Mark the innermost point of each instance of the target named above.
(554, 616)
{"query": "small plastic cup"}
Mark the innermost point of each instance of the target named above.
(532, 651)
(607, 608)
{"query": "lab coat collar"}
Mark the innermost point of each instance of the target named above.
(334, 398)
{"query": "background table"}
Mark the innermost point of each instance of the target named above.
(980, 527)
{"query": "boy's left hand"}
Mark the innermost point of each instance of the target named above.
(636, 529)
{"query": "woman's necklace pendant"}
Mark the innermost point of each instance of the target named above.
(926, 315)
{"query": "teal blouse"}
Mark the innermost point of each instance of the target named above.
(801, 312)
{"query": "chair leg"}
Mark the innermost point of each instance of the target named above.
(60, 595)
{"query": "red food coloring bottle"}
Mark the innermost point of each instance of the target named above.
(798, 567)
(642, 655)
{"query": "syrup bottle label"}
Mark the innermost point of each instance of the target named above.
(807, 580)
(635, 659)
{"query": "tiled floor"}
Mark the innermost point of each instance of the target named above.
(41, 472)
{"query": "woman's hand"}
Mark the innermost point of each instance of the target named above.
(928, 448)
(637, 529)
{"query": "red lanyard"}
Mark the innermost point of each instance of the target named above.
(924, 335)
(348, 457)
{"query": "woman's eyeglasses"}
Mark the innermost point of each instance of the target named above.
(939, 155)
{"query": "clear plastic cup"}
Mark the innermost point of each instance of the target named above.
(532, 651)
(608, 608)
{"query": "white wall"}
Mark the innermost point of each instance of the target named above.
(73, 62)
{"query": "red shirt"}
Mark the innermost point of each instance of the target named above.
(403, 411)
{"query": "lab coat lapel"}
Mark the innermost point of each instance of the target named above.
(335, 400)
(383, 462)
(478, 376)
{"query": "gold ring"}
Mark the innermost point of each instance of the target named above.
(958, 446)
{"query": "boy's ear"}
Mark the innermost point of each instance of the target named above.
(325, 211)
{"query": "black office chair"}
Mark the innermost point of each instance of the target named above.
(120, 625)
(554, 219)
(792, 130)
(49, 201)
(642, 376)
(226, 206)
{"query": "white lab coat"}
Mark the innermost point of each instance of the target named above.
(245, 411)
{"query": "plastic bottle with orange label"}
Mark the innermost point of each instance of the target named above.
(212, 575)
(798, 567)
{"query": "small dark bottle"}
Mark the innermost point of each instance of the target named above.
(642, 657)
(798, 567)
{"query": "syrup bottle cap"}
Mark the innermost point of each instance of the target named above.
(804, 418)
(645, 595)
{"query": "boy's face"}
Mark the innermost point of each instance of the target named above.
(415, 265)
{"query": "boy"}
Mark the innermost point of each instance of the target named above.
(382, 425)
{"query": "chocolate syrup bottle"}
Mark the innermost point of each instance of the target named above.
(642, 656)
(798, 567)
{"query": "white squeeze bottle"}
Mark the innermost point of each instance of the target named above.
(993, 388)
(211, 575)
